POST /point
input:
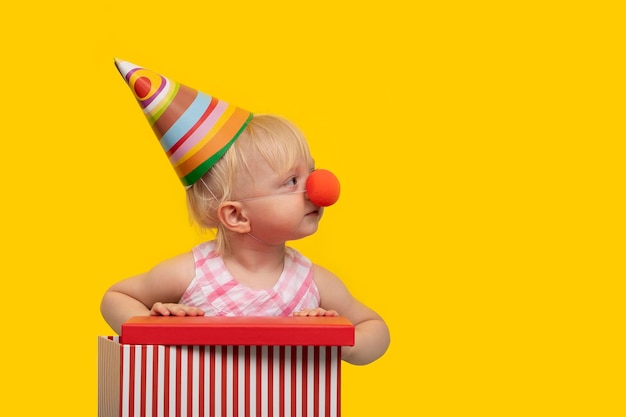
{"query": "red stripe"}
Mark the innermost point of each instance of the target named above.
(201, 394)
(281, 381)
(144, 350)
(190, 386)
(179, 356)
(224, 363)
(338, 366)
(204, 116)
(259, 381)
(247, 382)
(270, 380)
(305, 368)
(316, 381)
(327, 381)
(235, 380)
(166, 383)
(131, 379)
(155, 380)
(212, 379)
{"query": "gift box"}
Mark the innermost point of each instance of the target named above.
(223, 366)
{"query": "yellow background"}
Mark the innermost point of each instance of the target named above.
(480, 149)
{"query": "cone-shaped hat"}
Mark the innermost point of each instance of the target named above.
(194, 129)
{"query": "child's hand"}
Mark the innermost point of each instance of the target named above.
(315, 312)
(171, 309)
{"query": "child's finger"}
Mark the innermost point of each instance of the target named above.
(159, 309)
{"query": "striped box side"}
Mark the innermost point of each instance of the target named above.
(202, 381)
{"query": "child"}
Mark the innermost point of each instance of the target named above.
(250, 186)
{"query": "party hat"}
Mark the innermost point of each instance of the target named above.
(194, 129)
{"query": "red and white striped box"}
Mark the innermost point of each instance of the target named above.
(223, 366)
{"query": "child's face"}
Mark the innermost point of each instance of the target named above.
(284, 212)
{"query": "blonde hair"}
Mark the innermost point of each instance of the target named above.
(276, 140)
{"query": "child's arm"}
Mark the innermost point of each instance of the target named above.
(371, 332)
(155, 292)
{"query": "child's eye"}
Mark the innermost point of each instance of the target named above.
(292, 182)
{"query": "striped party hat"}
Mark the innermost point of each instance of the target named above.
(194, 129)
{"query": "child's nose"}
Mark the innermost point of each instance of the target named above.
(322, 188)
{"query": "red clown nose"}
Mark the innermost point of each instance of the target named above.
(322, 188)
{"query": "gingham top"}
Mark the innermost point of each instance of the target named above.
(215, 291)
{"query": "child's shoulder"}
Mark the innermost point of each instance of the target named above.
(179, 266)
(205, 249)
(323, 276)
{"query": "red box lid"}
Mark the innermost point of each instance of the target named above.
(247, 331)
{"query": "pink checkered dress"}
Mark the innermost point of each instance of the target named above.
(215, 291)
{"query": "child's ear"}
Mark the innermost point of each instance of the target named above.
(232, 216)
